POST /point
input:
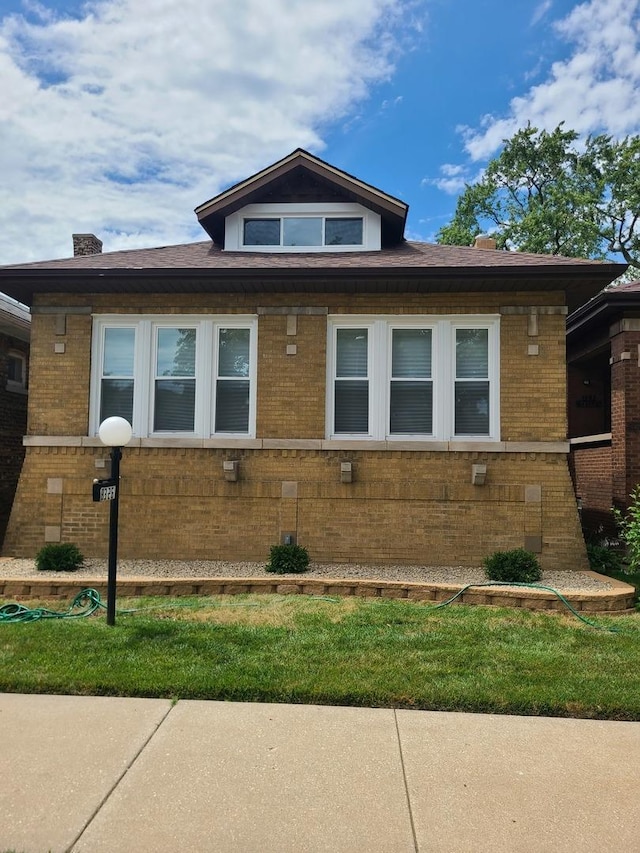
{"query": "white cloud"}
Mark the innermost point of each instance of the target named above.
(450, 183)
(450, 186)
(597, 89)
(124, 119)
(540, 11)
(451, 170)
(394, 102)
(454, 178)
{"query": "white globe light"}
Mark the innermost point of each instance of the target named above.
(115, 432)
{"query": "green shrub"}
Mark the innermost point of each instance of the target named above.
(59, 557)
(517, 566)
(288, 558)
(603, 559)
(629, 527)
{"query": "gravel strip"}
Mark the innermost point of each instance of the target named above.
(21, 568)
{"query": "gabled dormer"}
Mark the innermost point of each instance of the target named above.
(302, 204)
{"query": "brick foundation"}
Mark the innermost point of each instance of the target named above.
(403, 507)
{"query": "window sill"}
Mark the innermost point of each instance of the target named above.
(309, 444)
(298, 250)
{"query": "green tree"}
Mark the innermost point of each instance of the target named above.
(547, 193)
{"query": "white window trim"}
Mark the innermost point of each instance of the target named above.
(145, 366)
(371, 225)
(442, 374)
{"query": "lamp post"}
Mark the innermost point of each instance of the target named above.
(114, 432)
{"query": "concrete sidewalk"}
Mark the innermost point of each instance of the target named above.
(137, 775)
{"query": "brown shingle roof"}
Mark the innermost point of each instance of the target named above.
(207, 256)
(204, 267)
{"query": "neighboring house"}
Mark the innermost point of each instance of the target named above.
(14, 364)
(304, 375)
(603, 356)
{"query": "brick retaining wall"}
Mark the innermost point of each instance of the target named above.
(616, 601)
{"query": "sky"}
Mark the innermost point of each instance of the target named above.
(119, 117)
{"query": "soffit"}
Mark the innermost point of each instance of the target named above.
(604, 309)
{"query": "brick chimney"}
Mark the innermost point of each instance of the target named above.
(483, 241)
(86, 244)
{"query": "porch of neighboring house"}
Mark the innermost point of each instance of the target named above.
(603, 359)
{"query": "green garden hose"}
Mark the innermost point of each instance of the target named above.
(88, 601)
(559, 595)
(85, 603)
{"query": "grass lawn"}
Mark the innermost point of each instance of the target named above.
(341, 652)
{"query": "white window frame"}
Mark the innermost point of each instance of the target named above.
(206, 369)
(443, 373)
(371, 225)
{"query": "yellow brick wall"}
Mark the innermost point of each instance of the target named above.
(58, 382)
(403, 507)
(291, 388)
(533, 388)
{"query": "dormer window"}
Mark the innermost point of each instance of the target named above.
(308, 227)
(303, 231)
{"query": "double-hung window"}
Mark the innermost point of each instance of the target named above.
(411, 381)
(472, 396)
(188, 376)
(233, 380)
(117, 362)
(413, 378)
(352, 357)
(174, 391)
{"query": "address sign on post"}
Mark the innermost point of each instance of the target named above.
(104, 490)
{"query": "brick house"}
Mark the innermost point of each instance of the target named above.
(603, 358)
(305, 374)
(14, 363)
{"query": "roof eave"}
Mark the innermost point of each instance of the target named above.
(581, 283)
(599, 270)
(604, 307)
(211, 214)
(270, 173)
